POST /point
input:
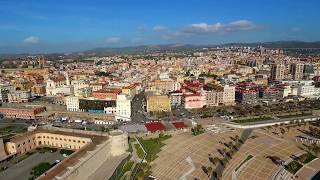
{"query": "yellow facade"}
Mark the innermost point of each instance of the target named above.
(158, 103)
(30, 141)
(129, 90)
(263, 82)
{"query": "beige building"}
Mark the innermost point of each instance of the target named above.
(214, 95)
(297, 71)
(277, 72)
(228, 95)
(31, 140)
(158, 103)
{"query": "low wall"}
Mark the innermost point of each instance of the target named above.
(259, 125)
(148, 135)
(89, 163)
(74, 131)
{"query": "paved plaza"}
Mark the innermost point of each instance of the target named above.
(184, 155)
(177, 158)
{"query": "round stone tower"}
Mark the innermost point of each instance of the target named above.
(119, 142)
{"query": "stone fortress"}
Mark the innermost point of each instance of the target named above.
(96, 154)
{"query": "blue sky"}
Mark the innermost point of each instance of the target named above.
(74, 25)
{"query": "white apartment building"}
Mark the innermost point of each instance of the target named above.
(58, 86)
(72, 103)
(19, 96)
(79, 84)
(306, 90)
(83, 92)
(110, 110)
(176, 86)
(228, 95)
(123, 112)
(289, 91)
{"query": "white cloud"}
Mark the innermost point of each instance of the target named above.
(159, 28)
(204, 27)
(113, 40)
(239, 25)
(31, 40)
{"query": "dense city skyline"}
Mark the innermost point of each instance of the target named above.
(46, 26)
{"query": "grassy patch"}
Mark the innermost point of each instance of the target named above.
(131, 140)
(144, 171)
(139, 151)
(244, 161)
(40, 169)
(12, 129)
(293, 167)
(66, 151)
(294, 115)
(255, 119)
(197, 130)
(127, 166)
(152, 146)
(306, 158)
(46, 149)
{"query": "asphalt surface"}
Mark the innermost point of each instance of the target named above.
(138, 113)
(21, 170)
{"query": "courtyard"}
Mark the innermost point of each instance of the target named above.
(20, 168)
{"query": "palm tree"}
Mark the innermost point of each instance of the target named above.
(214, 174)
(205, 170)
(209, 170)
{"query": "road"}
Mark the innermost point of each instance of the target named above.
(138, 114)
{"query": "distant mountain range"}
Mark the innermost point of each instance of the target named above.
(174, 47)
(182, 47)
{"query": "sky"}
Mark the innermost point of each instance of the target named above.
(46, 26)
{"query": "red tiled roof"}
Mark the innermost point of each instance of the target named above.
(179, 125)
(154, 126)
(110, 90)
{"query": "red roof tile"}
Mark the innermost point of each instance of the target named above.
(179, 125)
(154, 126)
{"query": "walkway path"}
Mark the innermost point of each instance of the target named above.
(189, 160)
